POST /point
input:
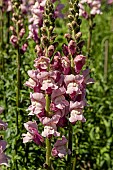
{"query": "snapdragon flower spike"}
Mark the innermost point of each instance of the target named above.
(58, 81)
(37, 106)
(60, 148)
(18, 30)
(36, 20)
(32, 134)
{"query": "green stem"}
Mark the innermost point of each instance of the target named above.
(70, 133)
(48, 153)
(17, 93)
(18, 87)
(8, 25)
(89, 36)
(106, 59)
(48, 141)
(70, 141)
(74, 164)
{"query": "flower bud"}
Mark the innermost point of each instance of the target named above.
(74, 24)
(68, 37)
(46, 22)
(70, 17)
(72, 11)
(43, 30)
(14, 40)
(70, 26)
(51, 50)
(39, 50)
(51, 29)
(72, 47)
(45, 41)
(24, 48)
(22, 32)
(65, 49)
(78, 35)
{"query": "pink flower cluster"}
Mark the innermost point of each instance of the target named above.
(26, 5)
(66, 89)
(7, 5)
(36, 18)
(110, 1)
(94, 8)
(3, 158)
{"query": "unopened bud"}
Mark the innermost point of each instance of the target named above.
(51, 50)
(51, 29)
(72, 11)
(76, 7)
(68, 37)
(79, 21)
(70, 26)
(70, 17)
(43, 30)
(46, 22)
(45, 41)
(78, 35)
(74, 23)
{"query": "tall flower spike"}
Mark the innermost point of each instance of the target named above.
(75, 81)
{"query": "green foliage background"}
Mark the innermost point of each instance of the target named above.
(93, 140)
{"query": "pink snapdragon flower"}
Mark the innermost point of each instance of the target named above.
(48, 81)
(60, 148)
(76, 111)
(73, 85)
(38, 103)
(58, 99)
(32, 134)
(50, 127)
(41, 63)
(79, 62)
(72, 47)
(14, 40)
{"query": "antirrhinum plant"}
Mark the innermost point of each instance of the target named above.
(89, 9)
(59, 88)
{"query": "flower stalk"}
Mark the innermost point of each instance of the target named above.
(89, 35)
(58, 83)
(48, 141)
